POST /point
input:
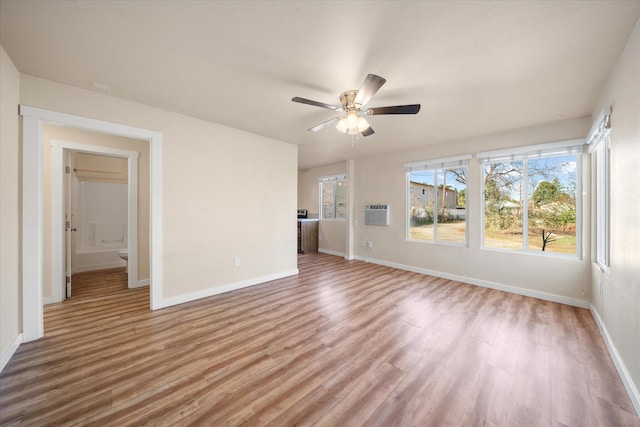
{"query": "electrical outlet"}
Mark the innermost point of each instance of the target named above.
(363, 243)
(236, 261)
(369, 244)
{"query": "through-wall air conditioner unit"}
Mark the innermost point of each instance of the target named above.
(376, 214)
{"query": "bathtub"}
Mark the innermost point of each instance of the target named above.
(90, 259)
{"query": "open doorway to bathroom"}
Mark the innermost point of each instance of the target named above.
(99, 221)
(96, 223)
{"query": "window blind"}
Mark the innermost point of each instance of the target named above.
(599, 129)
(339, 177)
(552, 149)
(442, 163)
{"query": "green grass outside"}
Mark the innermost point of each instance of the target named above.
(447, 232)
(563, 242)
(455, 232)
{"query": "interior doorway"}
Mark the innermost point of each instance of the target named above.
(99, 237)
(33, 120)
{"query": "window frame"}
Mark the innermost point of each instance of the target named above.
(523, 154)
(599, 142)
(436, 165)
(333, 180)
(601, 149)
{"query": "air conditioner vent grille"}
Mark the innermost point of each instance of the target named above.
(376, 214)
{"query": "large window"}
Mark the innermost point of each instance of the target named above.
(333, 197)
(436, 200)
(599, 145)
(530, 198)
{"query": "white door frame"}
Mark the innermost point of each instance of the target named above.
(32, 212)
(58, 276)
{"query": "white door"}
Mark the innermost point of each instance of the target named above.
(68, 223)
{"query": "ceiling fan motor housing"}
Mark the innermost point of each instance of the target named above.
(347, 99)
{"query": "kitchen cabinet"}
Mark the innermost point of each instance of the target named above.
(307, 236)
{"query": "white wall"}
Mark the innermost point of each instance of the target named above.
(331, 233)
(10, 302)
(226, 193)
(381, 179)
(619, 305)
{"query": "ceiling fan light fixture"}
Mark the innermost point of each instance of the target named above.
(342, 125)
(352, 124)
(363, 124)
(352, 120)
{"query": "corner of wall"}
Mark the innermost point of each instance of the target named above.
(7, 353)
(10, 210)
(618, 361)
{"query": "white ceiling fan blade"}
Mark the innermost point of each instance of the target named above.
(371, 85)
(315, 103)
(323, 125)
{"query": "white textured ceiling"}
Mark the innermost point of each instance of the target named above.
(476, 67)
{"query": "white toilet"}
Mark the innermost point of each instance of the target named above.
(124, 254)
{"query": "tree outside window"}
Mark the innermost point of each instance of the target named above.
(530, 204)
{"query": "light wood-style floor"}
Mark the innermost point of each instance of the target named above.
(345, 343)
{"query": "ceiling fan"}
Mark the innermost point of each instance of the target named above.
(353, 103)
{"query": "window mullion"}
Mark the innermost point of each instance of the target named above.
(407, 222)
(578, 198)
(335, 200)
(435, 205)
(524, 185)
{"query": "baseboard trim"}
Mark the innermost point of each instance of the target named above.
(9, 352)
(483, 283)
(632, 390)
(181, 299)
(94, 267)
(330, 252)
(48, 300)
(140, 284)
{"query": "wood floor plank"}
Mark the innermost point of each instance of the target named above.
(344, 343)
